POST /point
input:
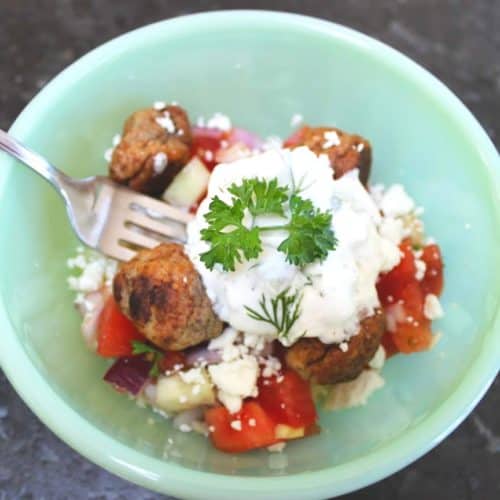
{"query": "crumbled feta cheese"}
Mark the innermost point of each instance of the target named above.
(108, 154)
(235, 380)
(192, 376)
(159, 105)
(396, 202)
(272, 143)
(331, 139)
(392, 229)
(236, 425)
(218, 121)
(432, 307)
(296, 119)
(344, 346)
(272, 366)
(420, 266)
(166, 122)
(160, 161)
(96, 271)
(252, 422)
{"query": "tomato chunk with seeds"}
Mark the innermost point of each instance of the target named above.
(412, 299)
(433, 278)
(206, 143)
(171, 359)
(413, 337)
(115, 332)
(390, 284)
(257, 428)
(287, 399)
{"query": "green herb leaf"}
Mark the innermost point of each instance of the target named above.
(281, 311)
(228, 237)
(261, 196)
(154, 354)
(139, 347)
(310, 235)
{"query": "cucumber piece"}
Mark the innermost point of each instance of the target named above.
(188, 185)
(174, 394)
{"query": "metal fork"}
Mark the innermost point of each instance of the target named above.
(106, 216)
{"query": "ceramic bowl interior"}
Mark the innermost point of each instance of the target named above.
(260, 69)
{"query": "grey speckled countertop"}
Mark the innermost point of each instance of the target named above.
(459, 41)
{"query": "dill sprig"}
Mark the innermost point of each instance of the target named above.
(281, 311)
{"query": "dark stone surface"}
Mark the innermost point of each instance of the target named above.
(459, 41)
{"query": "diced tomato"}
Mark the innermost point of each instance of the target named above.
(433, 278)
(295, 138)
(413, 336)
(171, 359)
(206, 142)
(257, 428)
(390, 284)
(287, 399)
(115, 332)
(413, 331)
(412, 300)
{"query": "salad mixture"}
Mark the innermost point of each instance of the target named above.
(296, 281)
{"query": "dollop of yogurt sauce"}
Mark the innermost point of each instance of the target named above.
(335, 293)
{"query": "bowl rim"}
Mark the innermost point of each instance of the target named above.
(168, 477)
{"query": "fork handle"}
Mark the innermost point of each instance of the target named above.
(33, 160)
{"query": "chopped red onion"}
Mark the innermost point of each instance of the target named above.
(129, 374)
(236, 151)
(200, 355)
(241, 135)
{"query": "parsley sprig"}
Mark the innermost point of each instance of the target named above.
(281, 311)
(310, 236)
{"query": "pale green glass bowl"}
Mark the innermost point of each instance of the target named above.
(259, 68)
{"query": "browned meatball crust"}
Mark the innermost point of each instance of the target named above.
(133, 161)
(327, 363)
(163, 295)
(353, 151)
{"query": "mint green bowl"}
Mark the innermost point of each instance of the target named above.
(260, 68)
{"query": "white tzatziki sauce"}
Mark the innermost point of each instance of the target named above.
(335, 293)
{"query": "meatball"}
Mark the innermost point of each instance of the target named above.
(345, 151)
(161, 292)
(155, 145)
(327, 363)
